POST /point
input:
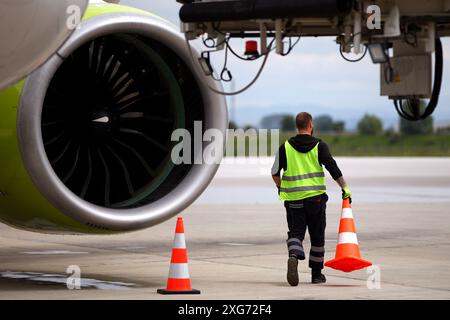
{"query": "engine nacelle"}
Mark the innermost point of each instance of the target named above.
(86, 139)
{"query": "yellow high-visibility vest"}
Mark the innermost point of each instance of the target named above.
(304, 177)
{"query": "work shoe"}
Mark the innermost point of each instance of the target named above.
(292, 272)
(318, 278)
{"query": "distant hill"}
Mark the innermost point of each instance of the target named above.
(269, 117)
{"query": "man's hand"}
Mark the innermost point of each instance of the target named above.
(346, 193)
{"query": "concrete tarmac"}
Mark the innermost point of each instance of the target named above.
(236, 236)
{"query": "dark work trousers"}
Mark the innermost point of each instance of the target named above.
(308, 213)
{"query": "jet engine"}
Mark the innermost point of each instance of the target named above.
(86, 139)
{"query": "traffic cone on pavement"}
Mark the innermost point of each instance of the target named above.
(348, 258)
(179, 281)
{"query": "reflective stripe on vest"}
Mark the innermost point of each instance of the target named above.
(304, 177)
(313, 188)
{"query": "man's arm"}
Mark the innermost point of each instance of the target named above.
(341, 182)
(330, 164)
(279, 164)
(277, 180)
(326, 159)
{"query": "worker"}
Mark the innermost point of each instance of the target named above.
(303, 190)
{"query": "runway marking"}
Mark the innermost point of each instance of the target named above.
(62, 279)
(54, 252)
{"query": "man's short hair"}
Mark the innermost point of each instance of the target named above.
(302, 120)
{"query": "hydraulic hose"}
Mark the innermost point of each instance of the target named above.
(414, 113)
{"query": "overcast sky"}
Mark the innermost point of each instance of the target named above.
(313, 78)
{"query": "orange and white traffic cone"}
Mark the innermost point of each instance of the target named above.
(348, 258)
(179, 281)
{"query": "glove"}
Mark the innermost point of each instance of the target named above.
(346, 194)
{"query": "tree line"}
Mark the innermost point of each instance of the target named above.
(369, 124)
